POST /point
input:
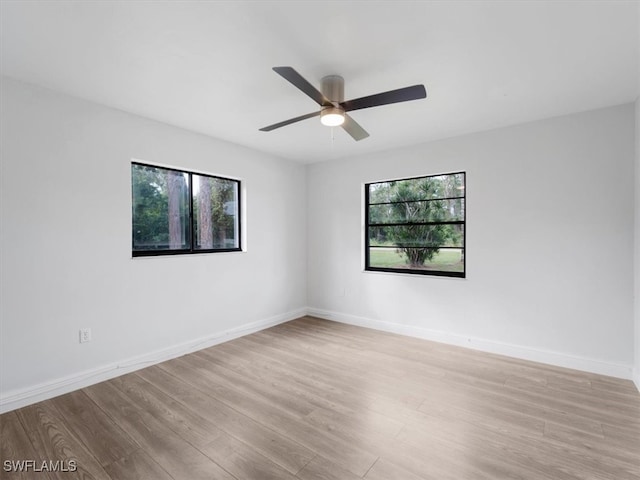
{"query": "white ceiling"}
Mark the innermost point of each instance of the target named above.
(206, 65)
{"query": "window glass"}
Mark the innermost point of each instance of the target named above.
(182, 212)
(416, 225)
(215, 209)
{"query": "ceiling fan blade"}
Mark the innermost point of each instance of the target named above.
(299, 81)
(289, 122)
(354, 129)
(414, 92)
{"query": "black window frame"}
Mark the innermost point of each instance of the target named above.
(438, 273)
(191, 250)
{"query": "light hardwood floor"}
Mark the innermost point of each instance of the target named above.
(318, 400)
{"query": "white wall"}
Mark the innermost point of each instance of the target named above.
(549, 243)
(66, 245)
(636, 376)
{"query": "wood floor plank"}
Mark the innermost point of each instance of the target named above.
(621, 451)
(242, 461)
(318, 400)
(582, 405)
(103, 438)
(385, 470)
(270, 415)
(137, 466)
(15, 447)
(556, 459)
(625, 438)
(277, 447)
(432, 460)
(188, 425)
(322, 469)
(623, 387)
(179, 458)
(245, 381)
(276, 375)
(337, 387)
(510, 402)
(394, 357)
(54, 441)
(389, 359)
(357, 373)
(366, 422)
(625, 433)
(471, 409)
(435, 453)
(364, 438)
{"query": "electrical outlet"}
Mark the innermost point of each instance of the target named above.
(85, 335)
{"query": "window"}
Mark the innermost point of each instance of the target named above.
(178, 212)
(416, 225)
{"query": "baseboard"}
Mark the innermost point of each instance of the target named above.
(36, 393)
(636, 378)
(516, 351)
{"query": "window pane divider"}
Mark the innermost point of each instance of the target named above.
(417, 201)
(409, 224)
(418, 246)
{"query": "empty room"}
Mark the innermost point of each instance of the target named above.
(320, 240)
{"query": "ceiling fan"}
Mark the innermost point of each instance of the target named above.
(334, 108)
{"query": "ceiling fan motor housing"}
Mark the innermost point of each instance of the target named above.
(333, 88)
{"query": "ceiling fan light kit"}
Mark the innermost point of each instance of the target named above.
(333, 111)
(332, 116)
